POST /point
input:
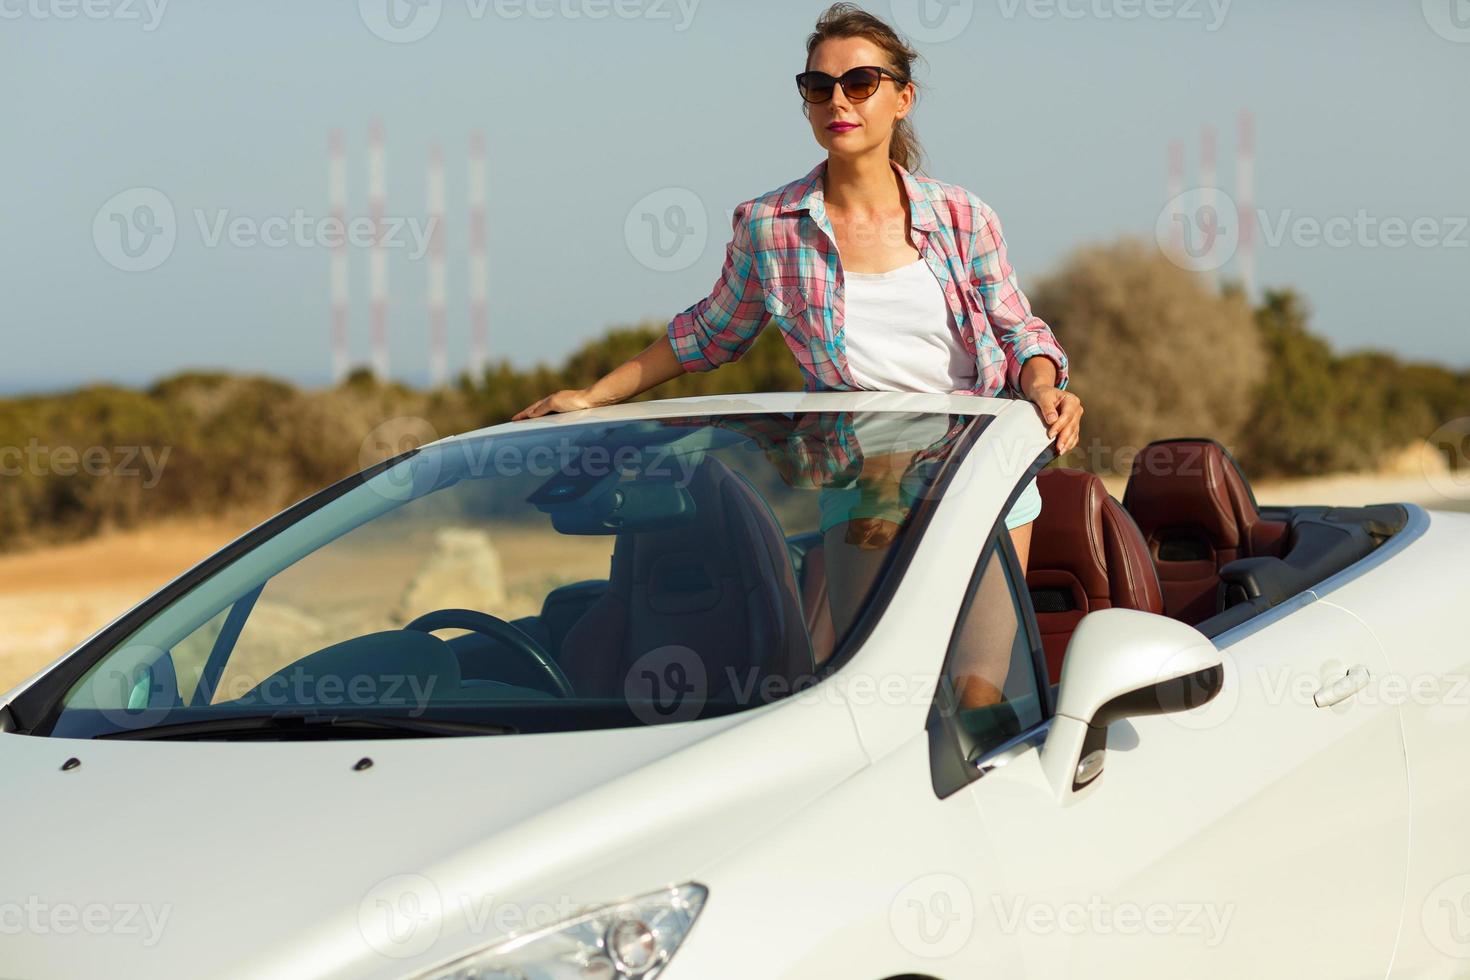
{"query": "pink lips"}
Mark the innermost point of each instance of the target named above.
(841, 127)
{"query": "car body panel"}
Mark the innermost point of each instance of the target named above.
(1242, 826)
(898, 664)
(275, 859)
(791, 402)
(282, 860)
(879, 874)
(1415, 605)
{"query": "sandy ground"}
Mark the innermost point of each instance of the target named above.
(52, 599)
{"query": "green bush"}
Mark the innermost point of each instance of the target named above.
(1322, 413)
(1154, 353)
(220, 442)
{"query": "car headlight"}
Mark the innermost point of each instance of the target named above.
(632, 940)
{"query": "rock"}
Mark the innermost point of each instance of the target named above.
(462, 571)
(1418, 458)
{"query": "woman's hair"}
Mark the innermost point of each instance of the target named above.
(849, 20)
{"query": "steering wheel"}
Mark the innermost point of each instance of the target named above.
(497, 629)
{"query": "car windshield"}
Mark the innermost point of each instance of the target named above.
(539, 578)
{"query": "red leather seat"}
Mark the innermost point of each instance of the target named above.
(1197, 513)
(1086, 554)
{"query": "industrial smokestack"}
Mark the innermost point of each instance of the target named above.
(1245, 200)
(1208, 180)
(377, 258)
(479, 273)
(337, 200)
(438, 347)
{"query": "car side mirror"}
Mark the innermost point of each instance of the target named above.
(1122, 663)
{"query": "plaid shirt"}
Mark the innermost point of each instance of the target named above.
(782, 265)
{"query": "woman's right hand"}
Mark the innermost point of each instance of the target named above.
(566, 400)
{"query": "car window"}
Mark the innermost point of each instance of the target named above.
(423, 557)
(991, 681)
(546, 579)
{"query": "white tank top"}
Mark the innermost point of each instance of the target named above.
(900, 333)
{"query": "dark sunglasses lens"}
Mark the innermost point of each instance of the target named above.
(816, 86)
(861, 83)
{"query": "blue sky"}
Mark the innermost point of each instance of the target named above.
(1057, 112)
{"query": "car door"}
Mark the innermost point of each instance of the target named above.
(1258, 835)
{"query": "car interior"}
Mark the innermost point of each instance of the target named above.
(1188, 540)
(719, 580)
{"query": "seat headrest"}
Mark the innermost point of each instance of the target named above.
(1191, 483)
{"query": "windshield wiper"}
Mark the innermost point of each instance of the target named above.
(311, 726)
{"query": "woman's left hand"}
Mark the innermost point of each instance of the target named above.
(1062, 413)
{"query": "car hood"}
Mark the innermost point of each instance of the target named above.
(164, 859)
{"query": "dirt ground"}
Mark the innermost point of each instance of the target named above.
(54, 598)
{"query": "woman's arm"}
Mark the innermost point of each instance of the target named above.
(717, 329)
(1060, 410)
(651, 367)
(1036, 365)
(1021, 333)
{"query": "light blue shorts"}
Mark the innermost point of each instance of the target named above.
(878, 433)
(840, 504)
(1026, 508)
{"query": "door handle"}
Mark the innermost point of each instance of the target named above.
(1343, 688)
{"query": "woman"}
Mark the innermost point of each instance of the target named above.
(880, 279)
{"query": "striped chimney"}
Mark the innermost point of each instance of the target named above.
(438, 349)
(337, 200)
(1245, 197)
(479, 274)
(1176, 188)
(377, 258)
(1208, 175)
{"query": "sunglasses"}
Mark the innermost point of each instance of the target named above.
(857, 83)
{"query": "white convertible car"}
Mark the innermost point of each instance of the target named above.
(754, 687)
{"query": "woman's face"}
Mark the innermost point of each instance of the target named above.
(871, 120)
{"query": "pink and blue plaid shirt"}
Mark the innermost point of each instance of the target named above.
(782, 265)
